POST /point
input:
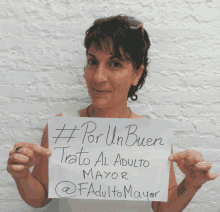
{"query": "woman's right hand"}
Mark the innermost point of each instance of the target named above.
(20, 163)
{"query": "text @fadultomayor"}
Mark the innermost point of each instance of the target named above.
(89, 135)
(69, 189)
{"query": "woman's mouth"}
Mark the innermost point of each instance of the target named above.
(100, 91)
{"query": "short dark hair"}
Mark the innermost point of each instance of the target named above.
(119, 31)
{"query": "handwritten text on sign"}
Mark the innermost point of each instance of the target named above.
(111, 159)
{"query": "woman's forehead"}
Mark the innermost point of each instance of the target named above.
(93, 50)
(106, 49)
(103, 46)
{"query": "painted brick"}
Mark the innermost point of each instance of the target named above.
(41, 74)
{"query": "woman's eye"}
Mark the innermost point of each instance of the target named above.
(92, 62)
(115, 64)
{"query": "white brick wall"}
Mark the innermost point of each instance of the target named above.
(41, 74)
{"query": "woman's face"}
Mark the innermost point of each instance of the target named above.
(108, 78)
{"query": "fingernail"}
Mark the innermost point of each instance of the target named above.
(49, 152)
(171, 157)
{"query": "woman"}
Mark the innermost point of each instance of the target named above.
(117, 59)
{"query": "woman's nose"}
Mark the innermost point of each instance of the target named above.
(100, 73)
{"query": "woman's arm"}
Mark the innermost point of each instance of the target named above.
(196, 171)
(179, 197)
(177, 201)
(172, 185)
(33, 187)
(31, 191)
(40, 171)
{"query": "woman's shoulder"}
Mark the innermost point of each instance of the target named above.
(59, 114)
(83, 114)
(135, 116)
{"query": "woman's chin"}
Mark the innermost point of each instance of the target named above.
(100, 102)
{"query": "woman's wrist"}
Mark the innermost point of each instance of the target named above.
(22, 179)
(190, 183)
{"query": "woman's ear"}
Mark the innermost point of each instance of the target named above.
(138, 75)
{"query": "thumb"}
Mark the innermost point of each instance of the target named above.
(33, 162)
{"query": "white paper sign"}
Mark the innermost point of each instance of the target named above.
(109, 158)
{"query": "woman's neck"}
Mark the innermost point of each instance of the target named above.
(121, 111)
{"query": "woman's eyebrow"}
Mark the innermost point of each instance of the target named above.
(112, 57)
(91, 55)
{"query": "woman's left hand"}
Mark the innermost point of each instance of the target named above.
(195, 168)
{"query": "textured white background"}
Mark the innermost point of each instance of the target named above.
(41, 74)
